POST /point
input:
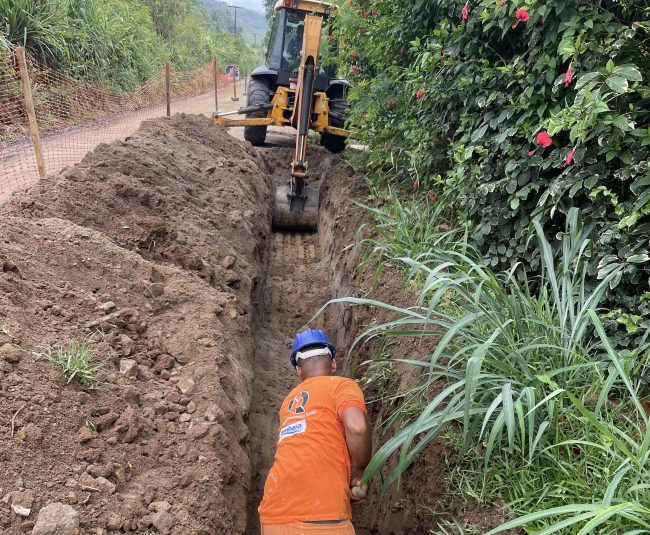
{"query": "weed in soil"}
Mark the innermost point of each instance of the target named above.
(77, 360)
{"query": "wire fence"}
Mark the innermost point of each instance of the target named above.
(73, 117)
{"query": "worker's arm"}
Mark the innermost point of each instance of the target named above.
(358, 436)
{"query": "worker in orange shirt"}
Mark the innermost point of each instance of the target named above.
(324, 446)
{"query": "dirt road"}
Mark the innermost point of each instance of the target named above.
(61, 149)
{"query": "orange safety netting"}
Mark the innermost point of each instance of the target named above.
(74, 117)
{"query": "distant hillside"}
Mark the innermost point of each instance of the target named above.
(251, 25)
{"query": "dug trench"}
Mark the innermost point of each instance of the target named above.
(156, 254)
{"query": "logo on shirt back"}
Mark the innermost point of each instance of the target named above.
(297, 404)
(293, 429)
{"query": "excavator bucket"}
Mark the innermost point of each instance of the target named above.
(296, 213)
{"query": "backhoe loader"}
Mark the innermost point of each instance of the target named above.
(295, 89)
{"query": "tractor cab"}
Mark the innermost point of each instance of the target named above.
(271, 93)
(285, 44)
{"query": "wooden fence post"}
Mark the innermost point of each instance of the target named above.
(216, 87)
(31, 113)
(234, 98)
(168, 94)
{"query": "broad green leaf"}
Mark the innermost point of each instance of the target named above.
(479, 132)
(621, 122)
(586, 78)
(639, 258)
(629, 72)
(618, 84)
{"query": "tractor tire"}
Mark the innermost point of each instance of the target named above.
(258, 93)
(331, 142)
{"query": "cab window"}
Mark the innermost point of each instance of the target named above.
(274, 55)
(293, 35)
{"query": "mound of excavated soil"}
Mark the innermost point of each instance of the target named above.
(153, 247)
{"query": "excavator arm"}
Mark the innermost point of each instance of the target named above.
(301, 106)
(296, 204)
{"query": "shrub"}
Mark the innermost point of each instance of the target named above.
(516, 121)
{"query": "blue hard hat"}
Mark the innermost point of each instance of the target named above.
(310, 337)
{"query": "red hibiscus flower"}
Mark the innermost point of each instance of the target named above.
(355, 69)
(464, 14)
(419, 95)
(354, 54)
(569, 158)
(568, 77)
(522, 16)
(365, 14)
(374, 12)
(544, 139)
(416, 184)
(432, 197)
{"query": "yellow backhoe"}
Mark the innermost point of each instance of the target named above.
(295, 89)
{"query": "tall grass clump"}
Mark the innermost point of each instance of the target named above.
(118, 43)
(408, 228)
(40, 26)
(552, 418)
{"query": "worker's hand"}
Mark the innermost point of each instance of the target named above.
(357, 490)
(358, 493)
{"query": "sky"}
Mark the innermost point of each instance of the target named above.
(257, 5)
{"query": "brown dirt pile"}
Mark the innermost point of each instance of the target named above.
(153, 246)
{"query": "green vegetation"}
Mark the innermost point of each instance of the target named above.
(408, 228)
(509, 152)
(268, 5)
(77, 361)
(119, 43)
(251, 25)
(552, 416)
(513, 120)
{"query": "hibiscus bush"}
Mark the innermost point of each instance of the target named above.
(515, 111)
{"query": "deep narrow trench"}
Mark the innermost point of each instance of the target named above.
(295, 287)
(302, 273)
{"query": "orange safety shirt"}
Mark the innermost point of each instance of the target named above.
(310, 477)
